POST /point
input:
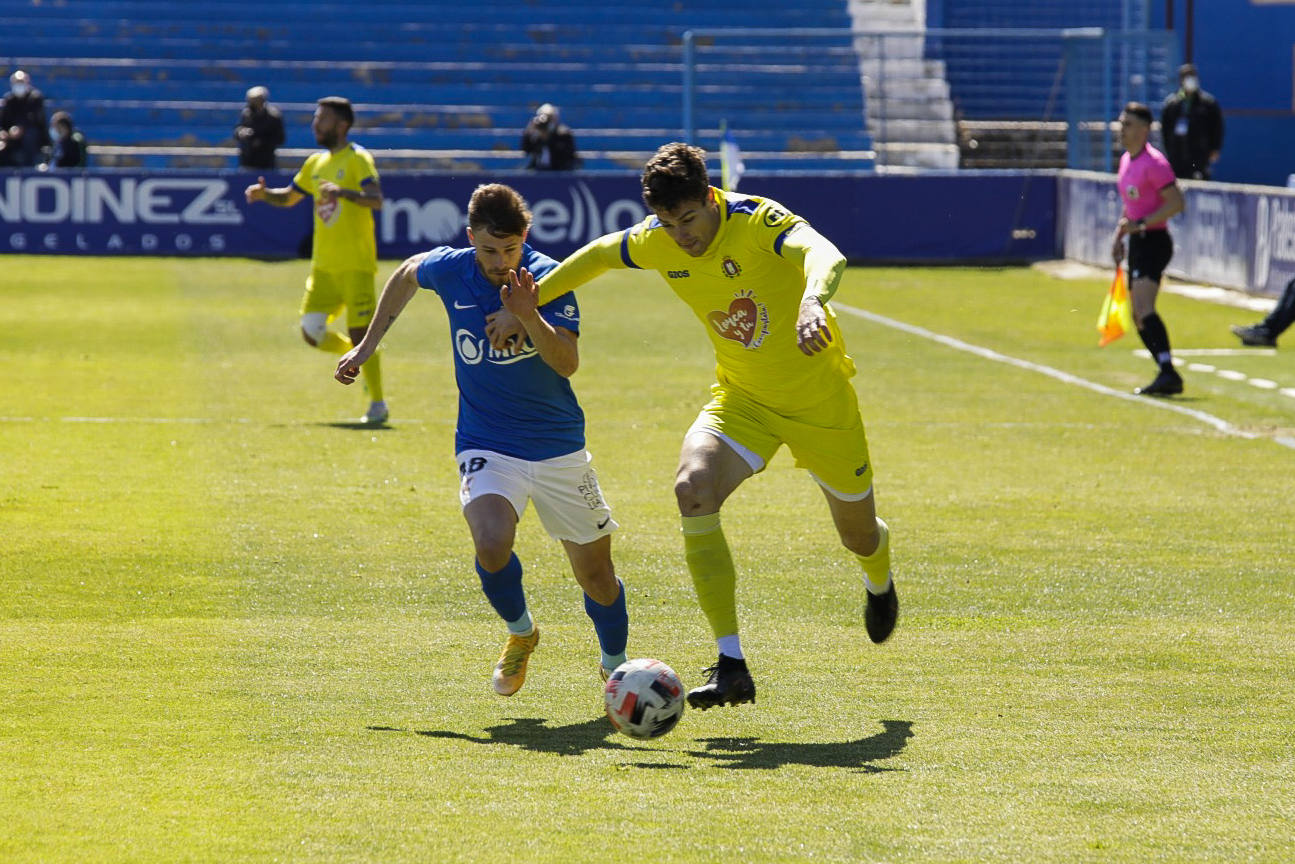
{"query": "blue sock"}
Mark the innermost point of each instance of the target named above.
(612, 624)
(504, 591)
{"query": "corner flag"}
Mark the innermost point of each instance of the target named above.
(730, 160)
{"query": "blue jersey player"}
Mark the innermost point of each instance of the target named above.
(521, 433)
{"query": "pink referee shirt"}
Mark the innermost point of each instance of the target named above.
(1141, 180)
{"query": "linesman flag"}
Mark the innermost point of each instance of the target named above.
(1116, 317)
(730, 160)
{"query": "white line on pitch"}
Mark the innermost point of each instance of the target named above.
(989, 354)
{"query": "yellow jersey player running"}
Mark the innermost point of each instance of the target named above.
(343, 181)
(759, 278)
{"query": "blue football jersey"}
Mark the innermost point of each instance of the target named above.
(513, 404)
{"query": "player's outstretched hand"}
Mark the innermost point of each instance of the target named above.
(348, 368)
(254, 192)
(519, 296)
(812, 333)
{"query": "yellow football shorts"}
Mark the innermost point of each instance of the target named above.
(327, 291)
(827, 439)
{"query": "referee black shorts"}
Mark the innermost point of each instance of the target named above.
(1149, 254)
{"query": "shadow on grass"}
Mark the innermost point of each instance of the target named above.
(862, 753)
(359, 425)
(576, 739)
(532, 734)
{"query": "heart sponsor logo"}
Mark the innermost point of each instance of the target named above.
(327, 210)
(745, 321)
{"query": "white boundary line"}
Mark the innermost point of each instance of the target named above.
(1217, 423)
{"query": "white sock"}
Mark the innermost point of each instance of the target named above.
(523, 626)
(730, 646)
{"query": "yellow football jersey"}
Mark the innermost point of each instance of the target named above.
(744, 291)
(344, 238)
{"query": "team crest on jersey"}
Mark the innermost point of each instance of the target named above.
(341, 172)
(745, 321)
(730, 267)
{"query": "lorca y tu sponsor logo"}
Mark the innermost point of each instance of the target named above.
(745, 320)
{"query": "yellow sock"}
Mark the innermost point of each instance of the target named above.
(876, 567)
(372, 371)
(334, 343)
(711, 566)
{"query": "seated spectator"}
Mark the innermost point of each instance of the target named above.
(259, 131)
(69, 144)
(548, 142)
(24, 131)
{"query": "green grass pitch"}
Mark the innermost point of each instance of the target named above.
(235, 627)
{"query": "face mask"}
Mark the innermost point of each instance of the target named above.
(21, 90)
(1191, 84)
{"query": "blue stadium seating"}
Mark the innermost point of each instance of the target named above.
(449, 76)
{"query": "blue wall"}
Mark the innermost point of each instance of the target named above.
(1244, 52)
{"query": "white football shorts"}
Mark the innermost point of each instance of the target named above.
(565, 490)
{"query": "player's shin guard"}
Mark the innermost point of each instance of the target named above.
(612, 624)
(711, 566)
(876, 567)
(504, 591)
(372, 372)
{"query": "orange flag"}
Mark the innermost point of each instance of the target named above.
(1116, 317)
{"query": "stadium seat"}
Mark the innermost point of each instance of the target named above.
(165, 80)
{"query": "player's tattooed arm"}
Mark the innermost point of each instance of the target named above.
(401, 287)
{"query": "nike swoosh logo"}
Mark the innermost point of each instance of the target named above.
(469, 306)
(603, 524)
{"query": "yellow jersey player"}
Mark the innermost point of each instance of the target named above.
(343, 182)
(759, 278)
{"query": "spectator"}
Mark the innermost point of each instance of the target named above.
(69, 144)
(548, 142)
(259, 131)
(24, 131)
(1191, 124)
(1265, 333)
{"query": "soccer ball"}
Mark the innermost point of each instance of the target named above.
(644, 698)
